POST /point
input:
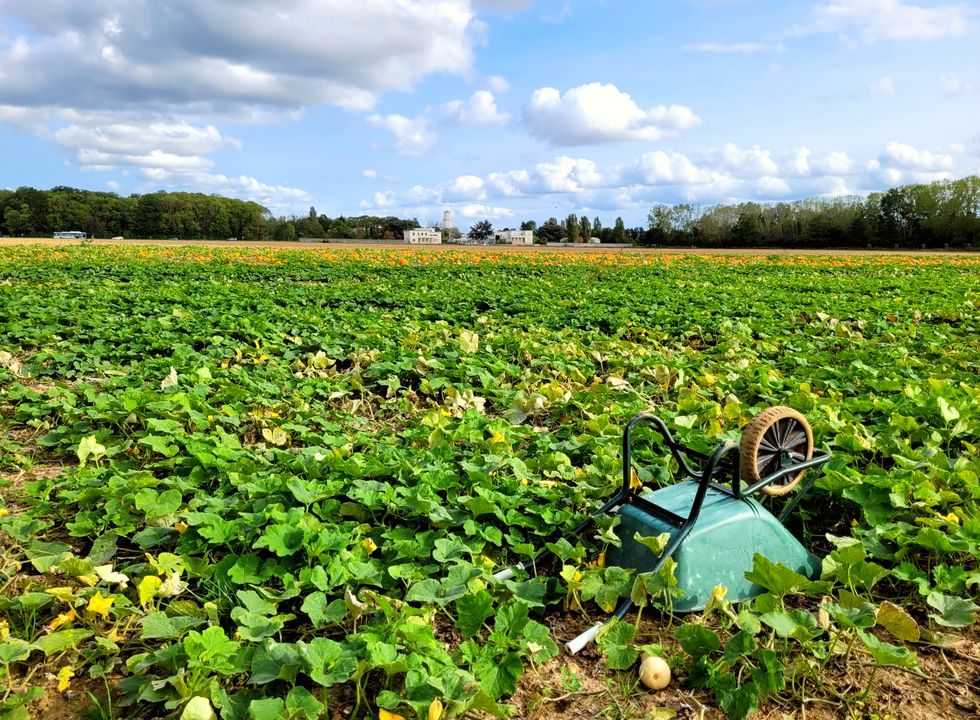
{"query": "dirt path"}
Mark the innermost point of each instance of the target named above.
(59, 242)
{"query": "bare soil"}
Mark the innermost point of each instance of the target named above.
(583, 248)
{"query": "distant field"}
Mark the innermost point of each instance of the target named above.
(7, 242)
(272, 476)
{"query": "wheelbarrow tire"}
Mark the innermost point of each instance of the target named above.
(772, 432)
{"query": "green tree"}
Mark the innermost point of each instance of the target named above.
(550, 232)
(572, 228)
(619, 231)
(529, 225)
(585, 229)
(19, 221)
(482, 231)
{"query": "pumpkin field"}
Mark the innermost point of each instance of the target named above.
(260, 483)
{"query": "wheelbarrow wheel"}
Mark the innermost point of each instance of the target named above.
(775, 437)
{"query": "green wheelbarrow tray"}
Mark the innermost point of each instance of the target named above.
(715, 526)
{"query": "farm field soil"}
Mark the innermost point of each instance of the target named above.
(276, 482)
(584, 249)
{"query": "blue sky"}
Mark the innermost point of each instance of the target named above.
(499, 109)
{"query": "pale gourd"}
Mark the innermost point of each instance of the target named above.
(654, 672)
(198, 708)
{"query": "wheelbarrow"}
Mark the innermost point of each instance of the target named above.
(714, 522)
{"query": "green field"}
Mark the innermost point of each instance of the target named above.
(281, 480)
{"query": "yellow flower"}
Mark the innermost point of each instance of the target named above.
(88, 580)
(62, 619)
(385, 715)
(369, 545)
(435, 709)
(180, 527)
(99, 605)
(952, 518)
(64, 677)
(4, 630)
(113, 636)
(635, 483)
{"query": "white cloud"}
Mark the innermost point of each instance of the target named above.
(413, 135)
(874, 20)
(498, 84)
(127, 138)
(726, 174)
(475, 210)
(884, 86)
(906, 157)
(597, 113)
(369, 173)
(468, 187)
(222, 54)
(953, 84)
(504, 6)
(480, 109)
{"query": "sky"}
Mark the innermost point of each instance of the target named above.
(506, 110)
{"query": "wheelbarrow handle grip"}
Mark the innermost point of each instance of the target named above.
(508, 573)
(575, 645)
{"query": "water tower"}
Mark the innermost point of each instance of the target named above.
(447, 219)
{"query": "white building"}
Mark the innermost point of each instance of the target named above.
(423, 236)
(515, 237)
(447, 219)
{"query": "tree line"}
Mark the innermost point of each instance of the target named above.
(29, 212)
(941, 214)
(935, 215)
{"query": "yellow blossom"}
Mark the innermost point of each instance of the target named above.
(369, 545)
(435, 709)
(385, 715)
(64, 677)
(62, 619)
(99, 605)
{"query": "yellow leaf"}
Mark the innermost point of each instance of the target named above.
(469, 342)
(4, 630)
(88, 580)
(435, 709)
(99, 605)
(385, 715)
(65, 594)
(64, 677)
(369, 545)
(62, 619)
(148, 588)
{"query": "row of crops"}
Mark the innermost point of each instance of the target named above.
(277, 484)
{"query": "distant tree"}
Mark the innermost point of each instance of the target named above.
(585, 228)
(619, 231)
(529, 225)
(597, 227)
(451, 234)
(482, 231)
(18, 221)
(551, 231)
(572, 228)
(285, 232)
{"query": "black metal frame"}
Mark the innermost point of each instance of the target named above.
(724, 460)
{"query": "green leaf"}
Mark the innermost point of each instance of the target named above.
(498, 675)
(62, 640)
(616, 644)
(15, 650)
(266, 709)
(327, 662)
(322, 613)
(953, 611)
(737, 701)
(654, 543)
(472, 611)
(779, 579)
(275, 661)
(157, 625)
(948, 412)
(303, 704)
(697, 640)
(886, 654)
(795, 624)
